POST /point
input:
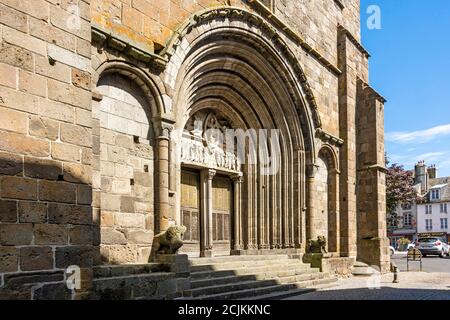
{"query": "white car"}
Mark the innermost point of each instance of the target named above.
(391, 250)
(433, 246)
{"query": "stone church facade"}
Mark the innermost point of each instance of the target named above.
(104, 105)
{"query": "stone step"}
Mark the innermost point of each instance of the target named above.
(212, 274)
(252, 258)
(363, 272)
(107, 271)
(224, 288)
(221, 280)
(280, 295)
(280, 278)
(240, 294)
(261, 272)
(245, 264)
(258, 293)
(303, 277)
(361, 269)
(360, 264)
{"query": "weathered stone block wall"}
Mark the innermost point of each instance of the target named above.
(147, 23)
(316, 21)
(371, 191)
(341, 267)
(46, 220)
(321, 223)
(126, 171)
(322, 56)
(56, 146)
(150, 25)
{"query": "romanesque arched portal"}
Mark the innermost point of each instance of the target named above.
(238, 76)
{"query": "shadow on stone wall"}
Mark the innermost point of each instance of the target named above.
(47, 223)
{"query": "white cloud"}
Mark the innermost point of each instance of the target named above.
(410, 160)
(420, 136)
(429, 157)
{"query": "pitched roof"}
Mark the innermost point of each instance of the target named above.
(444, 184)
(437, 181)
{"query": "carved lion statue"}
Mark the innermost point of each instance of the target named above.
(169, 241)
(318, 246)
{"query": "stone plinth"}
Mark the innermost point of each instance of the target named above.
(330, 263)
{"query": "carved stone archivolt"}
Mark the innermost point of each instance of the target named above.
(253, 21)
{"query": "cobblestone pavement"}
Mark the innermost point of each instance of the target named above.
(412, 286)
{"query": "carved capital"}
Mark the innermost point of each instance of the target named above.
(164, 126)
(239, 179)
(211, 174)
(311, 170)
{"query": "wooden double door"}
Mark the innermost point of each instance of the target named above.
(198, 222)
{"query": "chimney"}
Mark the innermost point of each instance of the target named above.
(421, 176)
(432, 172)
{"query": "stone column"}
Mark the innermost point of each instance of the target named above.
(334, 224)
(347, 63)
(311, 171)
(238, 245)
(206, 222)
(165, 216)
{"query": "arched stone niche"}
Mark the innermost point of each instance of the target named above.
(125, 169)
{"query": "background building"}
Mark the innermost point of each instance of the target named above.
(430, 216)
(433, 217)
(405, 226)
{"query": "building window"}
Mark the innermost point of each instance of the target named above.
(407, 219)
(406, 206)
(444, 223)
(429, 224)
(435, 194)
(444, 208)
(428, 209)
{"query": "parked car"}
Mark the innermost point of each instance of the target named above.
(446, 248)
(391, 250)
(433, 246)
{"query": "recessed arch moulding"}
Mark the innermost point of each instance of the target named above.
(232, 63)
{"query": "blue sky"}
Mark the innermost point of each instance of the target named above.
(410, 66)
